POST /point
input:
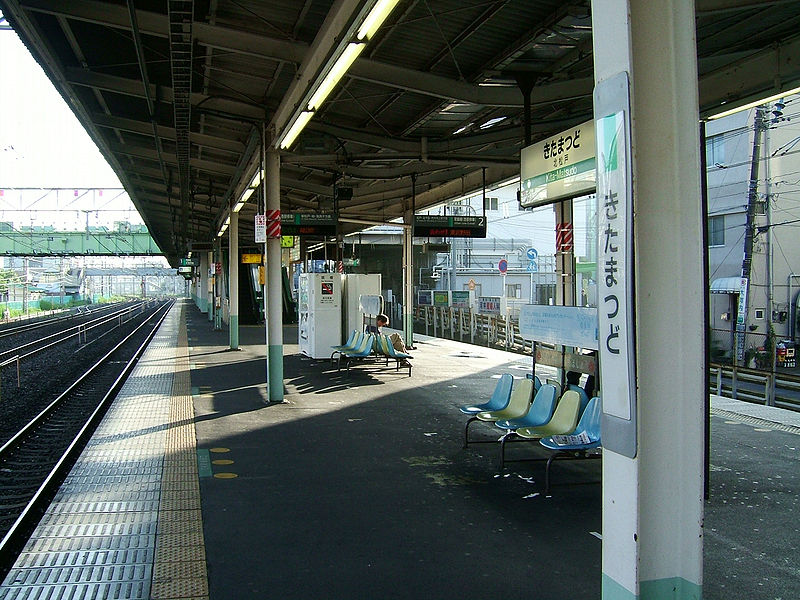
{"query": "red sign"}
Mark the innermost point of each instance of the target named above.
(502, 266)
(273, 229)
(565, 241)
(218, 268)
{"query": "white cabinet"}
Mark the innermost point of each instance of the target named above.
(319, 313)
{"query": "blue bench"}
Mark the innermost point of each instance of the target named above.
(576, 445)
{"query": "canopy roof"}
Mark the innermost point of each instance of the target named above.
(177, 93)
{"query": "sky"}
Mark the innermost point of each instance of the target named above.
(42, 144)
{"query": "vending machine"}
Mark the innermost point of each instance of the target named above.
(319, 297)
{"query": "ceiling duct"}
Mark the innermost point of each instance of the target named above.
(181, 13)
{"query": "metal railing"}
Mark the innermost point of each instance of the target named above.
(465, 325)
(753, 385)
(769, 388)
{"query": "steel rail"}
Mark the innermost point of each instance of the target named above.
(32, 325)
(67, 334)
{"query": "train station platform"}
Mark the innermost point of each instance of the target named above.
(357, 486)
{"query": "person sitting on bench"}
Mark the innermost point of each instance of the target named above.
(397, 342)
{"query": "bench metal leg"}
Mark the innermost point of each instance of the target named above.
(503, 447)
(466, 427)
(547, 472)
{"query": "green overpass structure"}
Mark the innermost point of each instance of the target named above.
(136, 242)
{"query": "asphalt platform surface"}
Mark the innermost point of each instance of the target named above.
(358, 486)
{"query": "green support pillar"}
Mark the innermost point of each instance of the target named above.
(274, 283)
(233, 274)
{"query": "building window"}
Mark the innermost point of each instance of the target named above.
(759, 313)
(716, 231)
(514, 290)
(715, 151)
(545, 293)
(490, 203)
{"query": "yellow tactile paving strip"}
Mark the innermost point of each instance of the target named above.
(126, 523)
(180, 559)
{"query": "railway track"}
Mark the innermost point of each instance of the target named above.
(35, 460)
(25, 339)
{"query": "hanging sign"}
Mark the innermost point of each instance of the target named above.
(449, 226)
(309, 224)
(558, 167)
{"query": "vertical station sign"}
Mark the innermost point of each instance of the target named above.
(615, 264)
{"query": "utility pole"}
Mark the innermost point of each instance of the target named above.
(749, 233)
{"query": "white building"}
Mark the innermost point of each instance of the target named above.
(775, 260)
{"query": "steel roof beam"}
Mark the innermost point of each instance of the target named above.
(156, 24)
(132, 87)
(231, 40)
(136, 151)
(167, 133)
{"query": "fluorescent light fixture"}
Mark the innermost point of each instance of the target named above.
(492, 122)
(375, 18)
(257, 178)
(224, 226)
(339, 68)
(296, 128)
(754, 104)
(248, 191)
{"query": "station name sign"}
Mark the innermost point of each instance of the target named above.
(561, 166)
(449, 226)
(309, 224)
